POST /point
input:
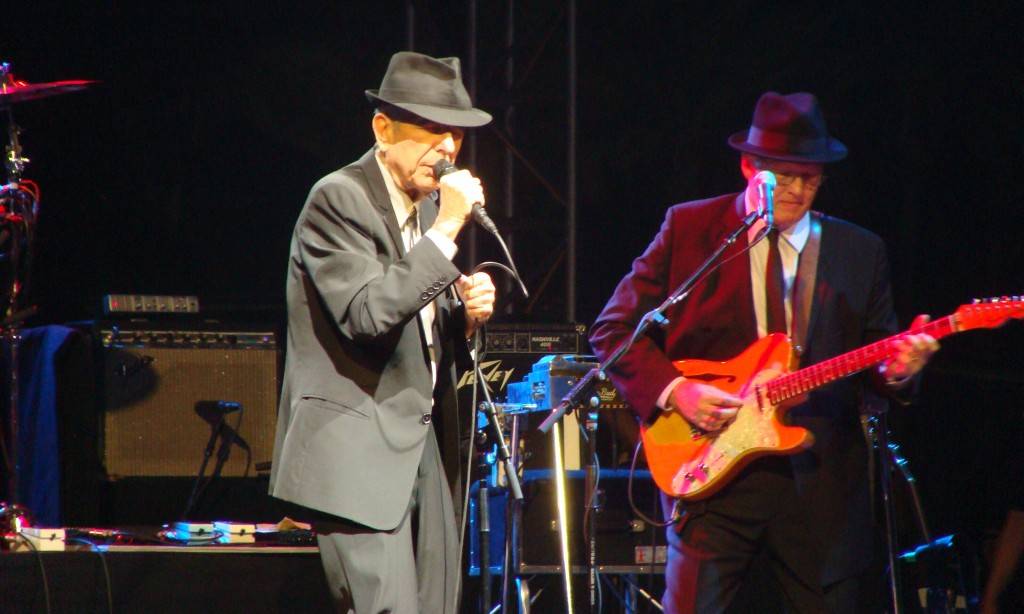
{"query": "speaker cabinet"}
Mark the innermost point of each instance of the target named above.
(624, 542)
(152, 380)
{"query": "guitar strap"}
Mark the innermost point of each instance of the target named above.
(803, 292)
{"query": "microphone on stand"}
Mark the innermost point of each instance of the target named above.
(213, 412)
(766, 204)
(443, 167)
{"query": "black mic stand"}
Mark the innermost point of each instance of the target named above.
(227, 438)
(593, 505)
(891, 461)
(575, 397)
(484, 520)
(207, 453)
(511, 474)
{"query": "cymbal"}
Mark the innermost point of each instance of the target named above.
(18, 91)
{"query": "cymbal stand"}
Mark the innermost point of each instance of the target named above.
(19, 206)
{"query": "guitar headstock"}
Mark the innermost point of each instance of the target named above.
(989, 312)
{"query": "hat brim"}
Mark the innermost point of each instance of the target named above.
(836, 150)
(463, 118)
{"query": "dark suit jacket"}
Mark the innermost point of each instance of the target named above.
(852, 306)
(356, 399)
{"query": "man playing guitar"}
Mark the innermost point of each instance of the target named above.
(820, 280)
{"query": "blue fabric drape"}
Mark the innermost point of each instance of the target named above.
(39, 455)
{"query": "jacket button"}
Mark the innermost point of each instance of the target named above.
(424, 296)
(425, 418)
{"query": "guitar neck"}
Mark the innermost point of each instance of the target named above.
(825, 372)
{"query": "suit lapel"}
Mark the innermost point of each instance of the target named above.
(736, 274)
(804, 305)
(380, 199)
(817, 292)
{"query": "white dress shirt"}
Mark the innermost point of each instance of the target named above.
(411, 234)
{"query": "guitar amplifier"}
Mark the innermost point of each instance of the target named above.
(510, 350)
(153, 377)
(510, 354)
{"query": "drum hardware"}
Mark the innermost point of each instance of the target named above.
(19, 209)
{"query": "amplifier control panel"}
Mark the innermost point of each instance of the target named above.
(537, 339)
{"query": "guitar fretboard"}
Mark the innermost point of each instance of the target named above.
(825, 372)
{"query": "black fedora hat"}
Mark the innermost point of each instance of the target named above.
(789, 127)
(430, 88)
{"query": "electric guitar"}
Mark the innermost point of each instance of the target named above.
(692, 464)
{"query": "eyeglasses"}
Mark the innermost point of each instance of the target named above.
(785, 180)
(809, 181)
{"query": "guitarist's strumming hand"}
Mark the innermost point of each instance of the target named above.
(912, 352)
(704, 406)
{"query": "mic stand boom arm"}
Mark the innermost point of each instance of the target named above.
(574, 398)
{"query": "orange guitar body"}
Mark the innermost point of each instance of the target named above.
(691, 464)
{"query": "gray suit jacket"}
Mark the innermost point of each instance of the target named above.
(357, 397)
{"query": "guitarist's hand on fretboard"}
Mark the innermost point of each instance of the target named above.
(912, 352)
(704, 406)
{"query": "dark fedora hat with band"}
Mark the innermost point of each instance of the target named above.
(430, 88)
(789, 127)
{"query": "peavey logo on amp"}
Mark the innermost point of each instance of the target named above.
(493, 374)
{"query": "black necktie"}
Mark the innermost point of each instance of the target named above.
(774, 288)
(411, 229)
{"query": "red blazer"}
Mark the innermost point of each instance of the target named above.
(852, 306)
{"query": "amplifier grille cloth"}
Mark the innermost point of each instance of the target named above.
(151, 428)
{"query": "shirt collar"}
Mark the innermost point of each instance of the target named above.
(796, 235)
(400, 201)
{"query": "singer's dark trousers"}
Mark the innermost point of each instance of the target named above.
(712, 548)
(413, 568)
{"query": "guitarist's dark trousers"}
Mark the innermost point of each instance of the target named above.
(718, 539)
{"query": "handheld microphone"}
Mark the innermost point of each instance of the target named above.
(765, 188)
(443, 167)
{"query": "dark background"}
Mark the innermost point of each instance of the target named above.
(184, 170)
